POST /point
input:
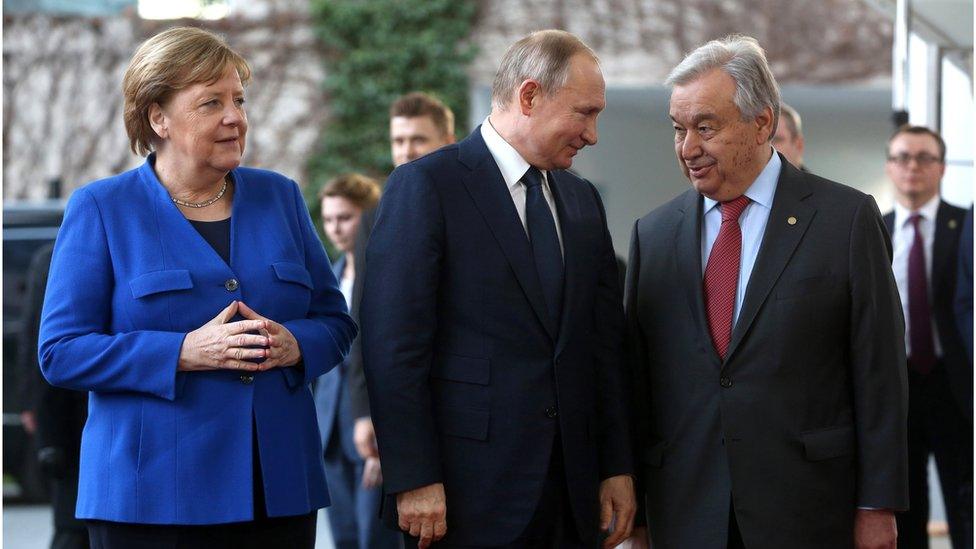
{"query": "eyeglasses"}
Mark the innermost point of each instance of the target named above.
(923, 159)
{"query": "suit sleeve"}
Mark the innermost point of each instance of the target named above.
(399, 318)
(878, 368)
(326, 333)
(616, 453)
(356, 384)
(77, 349)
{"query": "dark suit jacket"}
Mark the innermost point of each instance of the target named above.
(60, 413)
(332, 402)
(806, 417)
(964, 285)
(945, 270)
(463, 366)
(356, 379)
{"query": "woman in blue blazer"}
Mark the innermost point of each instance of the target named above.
(194, 301)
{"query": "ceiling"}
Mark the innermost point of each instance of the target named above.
(948, 23)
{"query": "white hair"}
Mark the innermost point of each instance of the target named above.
(742, 58)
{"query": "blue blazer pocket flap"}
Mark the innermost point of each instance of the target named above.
(463, 422)
(461, 368)
(828, 443)
(292, 272)
(160, 281)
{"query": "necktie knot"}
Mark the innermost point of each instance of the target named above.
(732, 209)
(532, 177)
(915, 219)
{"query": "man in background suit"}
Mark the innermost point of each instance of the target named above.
(964, 286)
(492, 324)
(788, 138)
(764, 333)
(59, 414)
(925, 232)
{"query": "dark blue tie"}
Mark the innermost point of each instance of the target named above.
(545, 244)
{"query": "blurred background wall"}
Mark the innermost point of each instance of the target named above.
(64, 60)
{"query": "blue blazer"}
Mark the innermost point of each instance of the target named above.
(332, 398)
(469, 380)
(129, 279)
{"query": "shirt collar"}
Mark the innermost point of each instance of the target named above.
(509, 161)
(762, 189)
(928, 211)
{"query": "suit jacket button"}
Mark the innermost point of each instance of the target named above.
(552, 412)
(247, 379)
(725, 382)
(231, 284)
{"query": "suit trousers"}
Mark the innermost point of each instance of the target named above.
(937, 427)
(551, 527)
(69, 532)
(354, 516)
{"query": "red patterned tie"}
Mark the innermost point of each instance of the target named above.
(722, 275)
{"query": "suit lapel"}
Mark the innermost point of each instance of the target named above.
(493, 200)
(687, 249)
(946, 227)
(567, 206)
(779, 242)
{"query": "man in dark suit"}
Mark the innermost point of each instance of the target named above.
(764, 334)
(60, 415)
(492, 324)
(925, 233)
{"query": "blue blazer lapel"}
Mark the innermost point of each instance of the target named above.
(487, 188)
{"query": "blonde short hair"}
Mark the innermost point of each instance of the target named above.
(361, 190)
(166, 63)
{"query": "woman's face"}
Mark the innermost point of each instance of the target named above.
(203, 126)
(340, 219)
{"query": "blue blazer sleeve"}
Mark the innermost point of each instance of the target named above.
(326, 334)
(76, 350)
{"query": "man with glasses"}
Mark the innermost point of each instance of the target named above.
(925, 233)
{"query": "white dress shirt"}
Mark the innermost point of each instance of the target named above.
(902, 240)
(752, 223)
(513, 167)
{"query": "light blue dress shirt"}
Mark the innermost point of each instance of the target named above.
(752, 223)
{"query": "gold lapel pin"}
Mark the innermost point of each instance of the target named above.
(791, 220)
(952, 223)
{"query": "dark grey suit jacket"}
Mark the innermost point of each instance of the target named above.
(805, 420)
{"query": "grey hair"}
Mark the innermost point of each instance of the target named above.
(543, 56)
(742, 58)
(792, 119)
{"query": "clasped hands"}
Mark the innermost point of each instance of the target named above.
(423, 511)
(224, 345)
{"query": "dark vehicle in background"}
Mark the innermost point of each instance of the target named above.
(27, 227)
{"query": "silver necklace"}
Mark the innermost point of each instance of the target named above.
(203, 204)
